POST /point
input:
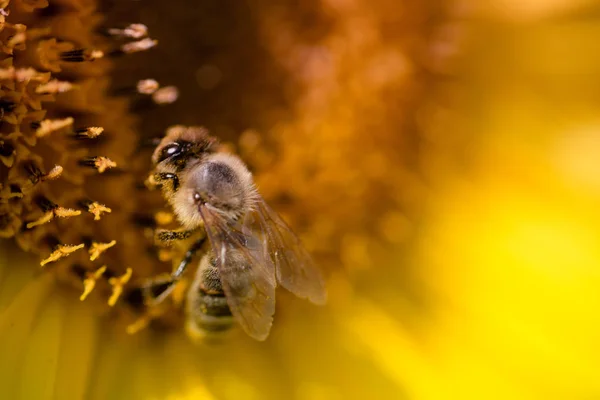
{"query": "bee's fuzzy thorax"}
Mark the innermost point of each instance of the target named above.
(192, 179)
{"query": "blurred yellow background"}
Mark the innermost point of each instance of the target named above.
(511, 246)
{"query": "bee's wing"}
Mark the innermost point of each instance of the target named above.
(247, 277)
(296, 271)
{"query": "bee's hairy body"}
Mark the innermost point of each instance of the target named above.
(251, 249)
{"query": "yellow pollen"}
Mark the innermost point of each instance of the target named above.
(61, 251)
(93, 132)
(97, 209)
(56, 212)
(66, 212)
(163, 217)
(165, 95)
(55, 86)
(150, 182)
(90, 282)
(98, 248)
(117, 284)
(104, 163)
(54, 173)
(139, 45)
(134, 31)
(96, 54)
(48, 126)
(147, 86)
(165, 255)
(29, 74)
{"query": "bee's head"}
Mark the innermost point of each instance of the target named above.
(222, 182)
(181, 144)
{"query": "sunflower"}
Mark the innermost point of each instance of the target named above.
(437, 159)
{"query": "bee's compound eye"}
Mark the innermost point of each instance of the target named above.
(169, 151)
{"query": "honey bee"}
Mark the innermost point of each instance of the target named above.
(251, 249)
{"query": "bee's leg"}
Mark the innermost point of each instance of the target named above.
(161, 177)
(187, 258)
(158, 288)
(168, 236)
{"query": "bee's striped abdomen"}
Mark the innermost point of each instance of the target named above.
(207, 308)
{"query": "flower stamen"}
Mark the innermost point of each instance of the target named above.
(66, 212)
(80, 55)
(23, 74)
(55, 86)
(99, 248)
(140, 45)
(100, 163)
(90, 132)
(30, 74)
(147, 86)
(48, 126)
(117, 283)
(54, 173)
(97, 209)
(90, 282)
(134, 31)
(62, 250)
(51, 210)
(165, 95)
(49, 216)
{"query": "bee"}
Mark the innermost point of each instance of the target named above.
(251, 250)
